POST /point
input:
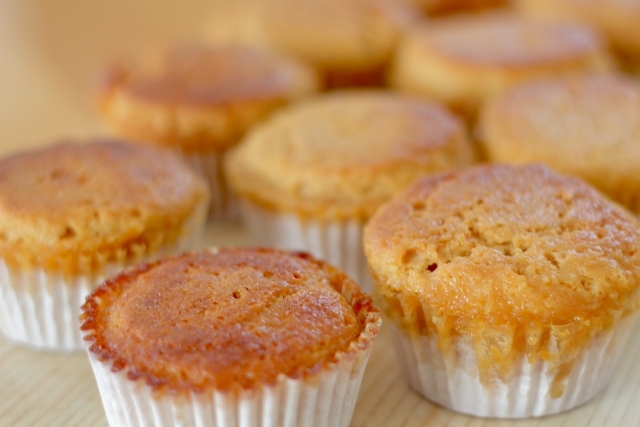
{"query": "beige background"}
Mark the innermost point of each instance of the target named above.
(51, 53)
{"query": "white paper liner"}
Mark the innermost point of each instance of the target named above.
(324, 400)
(526, 395)
(41, 309)
(338, 242)
(223, 205)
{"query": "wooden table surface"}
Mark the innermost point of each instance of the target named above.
(50, 50)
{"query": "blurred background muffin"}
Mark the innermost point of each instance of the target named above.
(512, 289)
(72, 214)
(312, 175)
(616, 19)
(464, 60)
(445, 7)
(584, 125)
(350, 42)
(201, 101)
(248, 336)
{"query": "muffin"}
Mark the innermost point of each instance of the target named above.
(71, 214)
(201, 101)
(444, 7)
(465, 60)
(617, 19)
(230, 337)
(580, 125)
(312, 175)
(349, 42)
(512, 289)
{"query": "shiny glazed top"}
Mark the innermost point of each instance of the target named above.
(236, 318)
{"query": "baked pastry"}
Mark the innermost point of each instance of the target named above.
(313, 174)
(616, 19)
(201, 101)
(512, 289)
(231, 337)
(349, 42)
(71, 214)
(464, 60)
(586, 125)
(444, 7)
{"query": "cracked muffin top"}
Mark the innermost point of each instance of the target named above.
(344, 154)
(229, 319)
(74, 207)
(506, 246)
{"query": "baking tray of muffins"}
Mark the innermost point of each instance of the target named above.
(319, 213)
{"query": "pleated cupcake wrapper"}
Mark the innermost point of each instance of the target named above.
(223, 205)
(338, 242)
(41, 308)
(326, 399)
(456, 387)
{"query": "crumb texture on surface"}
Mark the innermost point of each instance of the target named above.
(236, 318)
(344, 154)
(74, 207)
(524, 260)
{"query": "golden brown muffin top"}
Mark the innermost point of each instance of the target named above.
(617, 19)
(510, 246)
(76, 206)
(201, 98)
(585, 125)
(229, 319)
(444, 7)
(343, 154)
(507, 41)
(330, 34)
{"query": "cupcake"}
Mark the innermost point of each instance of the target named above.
(349, 42)
(71, 214)
(230, 337)
(587, 126)
(465, 60)
(201, 101)
(512, 289)
(312, 175)
(444, 7)
(617, 19)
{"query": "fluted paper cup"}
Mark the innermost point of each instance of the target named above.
(456, 385)
(326, 399)
(41, 308)
(223, 205)
(339, 241)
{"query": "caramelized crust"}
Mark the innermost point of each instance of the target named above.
(444, 7)
(516, 257)
(465, 60)
(74, 207)
(586, 125)
(201, 99)
(344, 154)
(236, 318)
